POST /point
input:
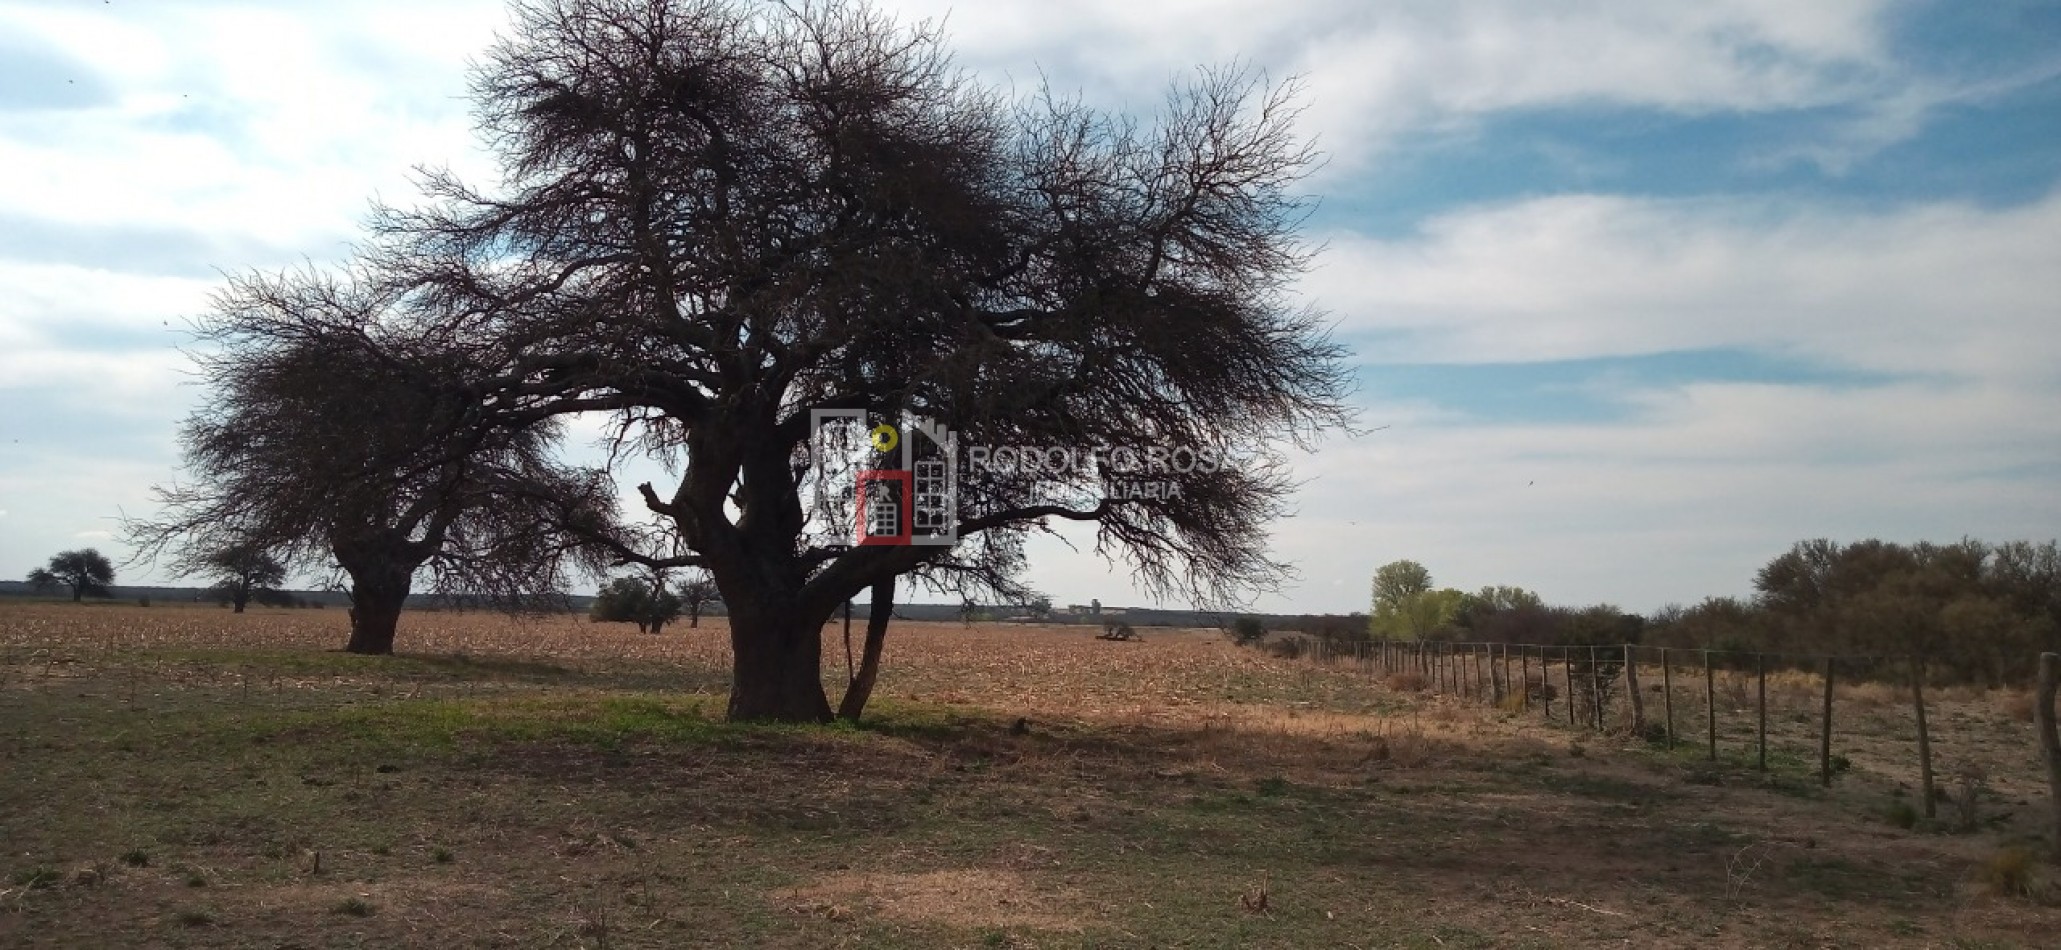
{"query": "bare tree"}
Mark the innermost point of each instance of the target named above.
(240, 570)
(697, 592)
(334, 431)
(717, 216)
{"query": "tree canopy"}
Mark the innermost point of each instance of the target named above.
(650, 605)
(86, 571)
(242, 571)
(338, 427)
(716, 218)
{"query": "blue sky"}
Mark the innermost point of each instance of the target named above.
(1642, 292)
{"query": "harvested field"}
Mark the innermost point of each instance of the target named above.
(182, 776)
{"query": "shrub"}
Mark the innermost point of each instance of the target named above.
(1118, 630)
(2010, 873)
(1409, 681)
(2018, 705)
(1289, 648)
(1872, 695)
(1970, 784)
(1246, 631)
(1402, 748)
(37, 878)
(1902, 815)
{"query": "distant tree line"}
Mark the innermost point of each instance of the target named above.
(1971, 611)
(1407, 606)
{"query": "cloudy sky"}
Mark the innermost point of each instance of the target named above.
(1641, 291)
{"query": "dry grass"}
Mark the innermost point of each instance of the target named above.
(2013, 872)
(1870, 696)
(1408, 682)
(573, 779)
(964, 897)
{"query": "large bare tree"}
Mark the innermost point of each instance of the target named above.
(717, 217)
(334, 430)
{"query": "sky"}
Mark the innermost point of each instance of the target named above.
(1637, 293)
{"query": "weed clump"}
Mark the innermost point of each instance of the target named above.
(1408, 682)
(1971, 783)
(193, 918)
(2018, 705)
(2012, 872)
(37, 878)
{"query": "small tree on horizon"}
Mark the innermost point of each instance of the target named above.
(242, 572)
(648, 604)
(86, 571)
(696, 593)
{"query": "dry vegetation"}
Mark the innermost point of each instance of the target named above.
(184, 776)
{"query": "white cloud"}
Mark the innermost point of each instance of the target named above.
(1936, 288)
(1682, 501)
(231, 118)
(1947, 309)
(1381, 71)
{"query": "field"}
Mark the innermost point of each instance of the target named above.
(182, 776)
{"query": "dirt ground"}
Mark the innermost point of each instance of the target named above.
(182, 776)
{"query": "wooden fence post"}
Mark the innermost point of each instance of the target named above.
(1567, 654)
(1710, 704)
(1924, 739)
(2050, 738)
(1524, 678)
(1667, 692)
(1495, 676)
(1760, 665)
(1631, 689)
(1825, 732)
(1595, 691)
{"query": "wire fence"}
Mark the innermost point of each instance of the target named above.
(1682, 698)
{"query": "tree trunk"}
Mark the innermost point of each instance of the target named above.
(378, 592)
(78, 593)
(861, 687)
(239, 599)
(777, 674)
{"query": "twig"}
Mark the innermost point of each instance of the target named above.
(1599, 910)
